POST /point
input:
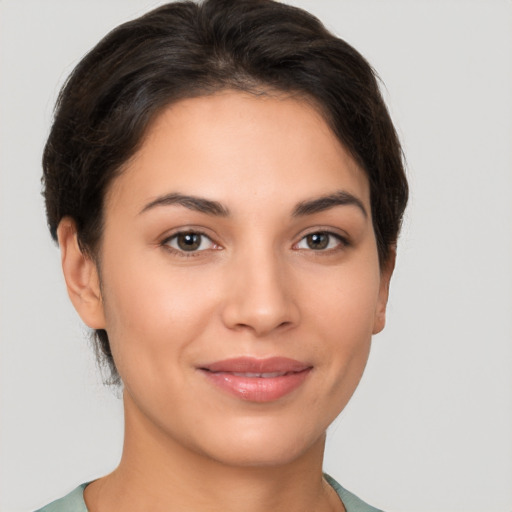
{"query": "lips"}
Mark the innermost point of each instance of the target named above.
(257, 380)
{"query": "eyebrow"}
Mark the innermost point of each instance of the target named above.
(198, 204)
(320, 204)
(209, 207)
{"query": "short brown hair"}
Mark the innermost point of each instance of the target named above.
(186, 49)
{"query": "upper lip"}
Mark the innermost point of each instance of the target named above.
(256, 365)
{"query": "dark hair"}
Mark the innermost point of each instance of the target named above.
(185, 49)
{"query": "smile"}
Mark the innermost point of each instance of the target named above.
(257, 380)
(260, 375)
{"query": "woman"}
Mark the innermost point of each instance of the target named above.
(226, 188)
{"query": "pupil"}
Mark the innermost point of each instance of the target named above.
(318, 241)
(189, 241)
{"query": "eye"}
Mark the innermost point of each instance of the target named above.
(189, 241)
(321, 241)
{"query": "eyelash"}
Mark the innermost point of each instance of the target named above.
(183, 253)
(342, 242)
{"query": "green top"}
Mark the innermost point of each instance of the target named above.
(74, 501)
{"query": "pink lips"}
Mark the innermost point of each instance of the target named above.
(257, 380)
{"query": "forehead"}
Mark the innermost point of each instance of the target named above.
(237, 147)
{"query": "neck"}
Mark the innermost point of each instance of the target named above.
(156, 473)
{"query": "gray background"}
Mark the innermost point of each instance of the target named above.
(430, 428)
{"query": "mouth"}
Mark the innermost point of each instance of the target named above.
(257, 380)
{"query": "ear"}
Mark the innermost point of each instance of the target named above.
(81, 275)
(385, 277)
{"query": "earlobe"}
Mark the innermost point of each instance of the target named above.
(81, 276)
(382, 302)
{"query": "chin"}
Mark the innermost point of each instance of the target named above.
(273, 446)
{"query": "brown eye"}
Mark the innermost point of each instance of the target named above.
(321, 241)
(317, 241)
(189, 241)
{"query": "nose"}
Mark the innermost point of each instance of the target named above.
(260, 296)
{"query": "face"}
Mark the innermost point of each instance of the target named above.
(240, 277)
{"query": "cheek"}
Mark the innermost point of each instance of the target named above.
(154, 313)
(343, 316)
(347, 302)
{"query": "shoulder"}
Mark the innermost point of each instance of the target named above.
(72, 502)
(352, 502)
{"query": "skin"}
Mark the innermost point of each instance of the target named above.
(254, 288)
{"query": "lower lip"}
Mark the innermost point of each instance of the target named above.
(257, 389)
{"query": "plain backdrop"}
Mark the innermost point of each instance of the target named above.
(430, 428)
